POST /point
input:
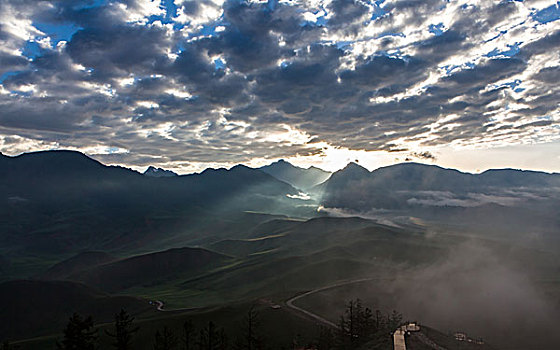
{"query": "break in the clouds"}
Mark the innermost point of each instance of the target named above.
(185, 84)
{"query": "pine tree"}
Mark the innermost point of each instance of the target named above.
(209, 338)
(364, 322)
(356, 326)
(124, 331)
(250, 332)
(188, 335)
(165, 340)
(79, 334)
(394, 320)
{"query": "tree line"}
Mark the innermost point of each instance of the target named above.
(359, 327)
(80, 334)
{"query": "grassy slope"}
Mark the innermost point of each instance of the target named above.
(151, 269)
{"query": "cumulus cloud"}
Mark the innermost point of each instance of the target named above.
(233, 81)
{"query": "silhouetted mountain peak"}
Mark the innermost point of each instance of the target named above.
(60, 155)
(354, 168)
(159, 172)
(280, 164)
(241, 167)
(299, 177)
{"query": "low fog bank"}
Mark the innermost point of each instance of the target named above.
(474, 290)
(537, 227)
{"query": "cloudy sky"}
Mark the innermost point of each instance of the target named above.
(189, 84)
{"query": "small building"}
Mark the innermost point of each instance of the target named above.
(412, 327)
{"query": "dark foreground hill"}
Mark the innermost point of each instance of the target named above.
(33, 308)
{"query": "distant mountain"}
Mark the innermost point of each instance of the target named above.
(298, 177)
(351, 173)
(410, 184)
(33, 308)
(159, 172)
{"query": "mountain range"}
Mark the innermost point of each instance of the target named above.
(408, 184)
(65, 202)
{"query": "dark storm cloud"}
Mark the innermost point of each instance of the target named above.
(238, 80)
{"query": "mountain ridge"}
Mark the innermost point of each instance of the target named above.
(398, 186)
(158, 172)
(302, 178)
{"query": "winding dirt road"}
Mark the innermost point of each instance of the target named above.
(159, 307)
(290, 302)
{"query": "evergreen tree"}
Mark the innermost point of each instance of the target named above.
(210, 339)
(124, 331)
(364, 322)
(165, 340)
(394, 320)
(79, 334)
(356, 325)
(188, 335)
(250, 332)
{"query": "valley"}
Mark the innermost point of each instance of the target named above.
(457, 252)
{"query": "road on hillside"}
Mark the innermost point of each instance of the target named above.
(290, 302)
(159, 307)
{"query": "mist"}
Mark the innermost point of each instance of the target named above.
(475, 290)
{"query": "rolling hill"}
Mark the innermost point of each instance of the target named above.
(150, 269)
(82, 261)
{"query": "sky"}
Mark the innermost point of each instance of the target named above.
(186, 85)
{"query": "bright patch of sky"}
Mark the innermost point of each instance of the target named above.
(57, 32)
(549, 14)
